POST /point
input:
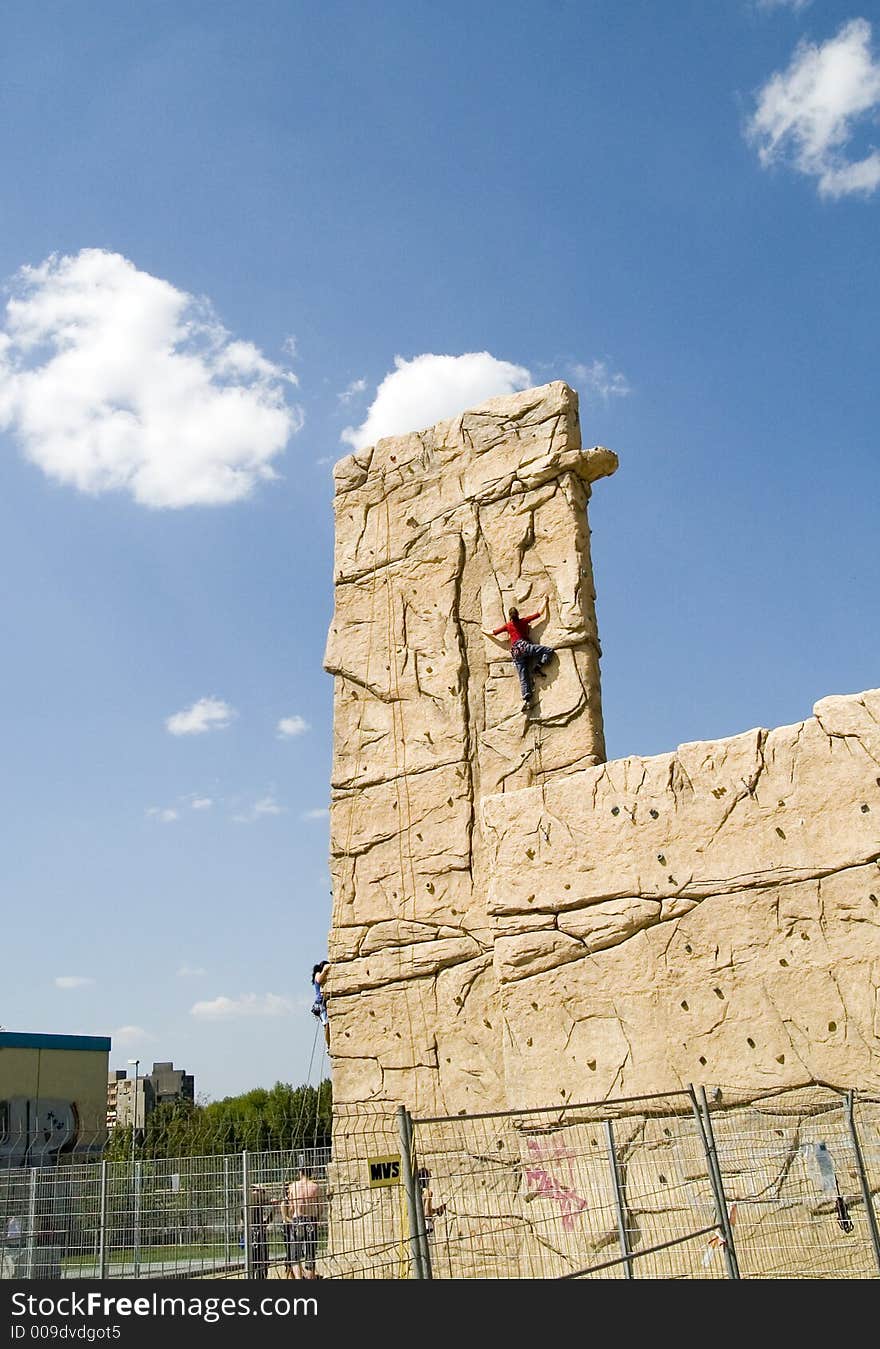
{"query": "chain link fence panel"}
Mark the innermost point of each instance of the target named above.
(669, 1186)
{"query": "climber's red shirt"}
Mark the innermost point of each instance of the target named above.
(517, 629)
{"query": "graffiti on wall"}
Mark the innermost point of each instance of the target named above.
(558, 1183)
(33, 1132)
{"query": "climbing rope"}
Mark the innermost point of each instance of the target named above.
(305, 1091)
(404, 812)
(359, 740)
(321, 1076)
(404, 804)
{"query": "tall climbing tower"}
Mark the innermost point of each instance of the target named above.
(437, 534)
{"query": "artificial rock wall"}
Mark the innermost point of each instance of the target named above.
(437, 534)
(711, 915)
(515, 921)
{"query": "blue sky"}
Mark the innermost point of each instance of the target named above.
(233, 234)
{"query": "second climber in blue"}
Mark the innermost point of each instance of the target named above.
(319, 1006)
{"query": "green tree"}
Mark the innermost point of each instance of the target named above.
(280, 1118)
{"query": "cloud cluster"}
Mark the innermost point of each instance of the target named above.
(289, 727)
(127, 1036)
(168, 814)
(164, 814)
(114, 380)
(72, 981)
(807, 115)
(267, 805)
(356, 387)
(207, 714)
(784, 4)
(597, 379)
(430, 388)
(246, 1004)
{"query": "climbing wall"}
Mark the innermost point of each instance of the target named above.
(515, 921)
(437, 534)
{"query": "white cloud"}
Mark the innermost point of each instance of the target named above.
(190, 972)
(201, 803)
(246, 1004)
(72, 981)
(355, 387)
(783, 4)
(113, 380)
(288, 727)
(164, 814)
(126, 1036)
(599, 380)
(267, 805)
(430, 388)
(208, 714)
(806, 115)
(290, 347)
(320, 813)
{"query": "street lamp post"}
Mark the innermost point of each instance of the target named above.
(135, 1177)
(134, 1107)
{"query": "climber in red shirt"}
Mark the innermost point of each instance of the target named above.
(526, 654)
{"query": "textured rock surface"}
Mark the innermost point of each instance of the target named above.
(516, 922)
(437, 534)
(711, 915)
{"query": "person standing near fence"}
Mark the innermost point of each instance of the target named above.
(260, 1213)
(306, 1211)
(430, 1208)
(287, 1229)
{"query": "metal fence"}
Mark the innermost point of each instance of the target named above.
(626, 1188)
(182, 1217)
(666, 1186)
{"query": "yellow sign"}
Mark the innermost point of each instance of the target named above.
(384, 1170)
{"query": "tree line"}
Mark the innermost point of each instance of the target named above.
(262, 1120)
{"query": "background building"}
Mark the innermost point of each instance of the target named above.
(171, 1084)
(131, 1100)
(117, 1076)
(53, 1097)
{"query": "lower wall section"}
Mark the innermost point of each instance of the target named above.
(615, 1189)
(709, 915)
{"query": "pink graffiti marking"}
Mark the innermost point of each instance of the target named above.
(543, 1182)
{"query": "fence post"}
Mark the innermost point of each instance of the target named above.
(245, 1193)
(705, 1125)
(226, 1252)
(136, 1235)
(424, 1245)
(617, 1182)
(863, 1177)
(31, 1222)
(102, 1219)
(415, 1245)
